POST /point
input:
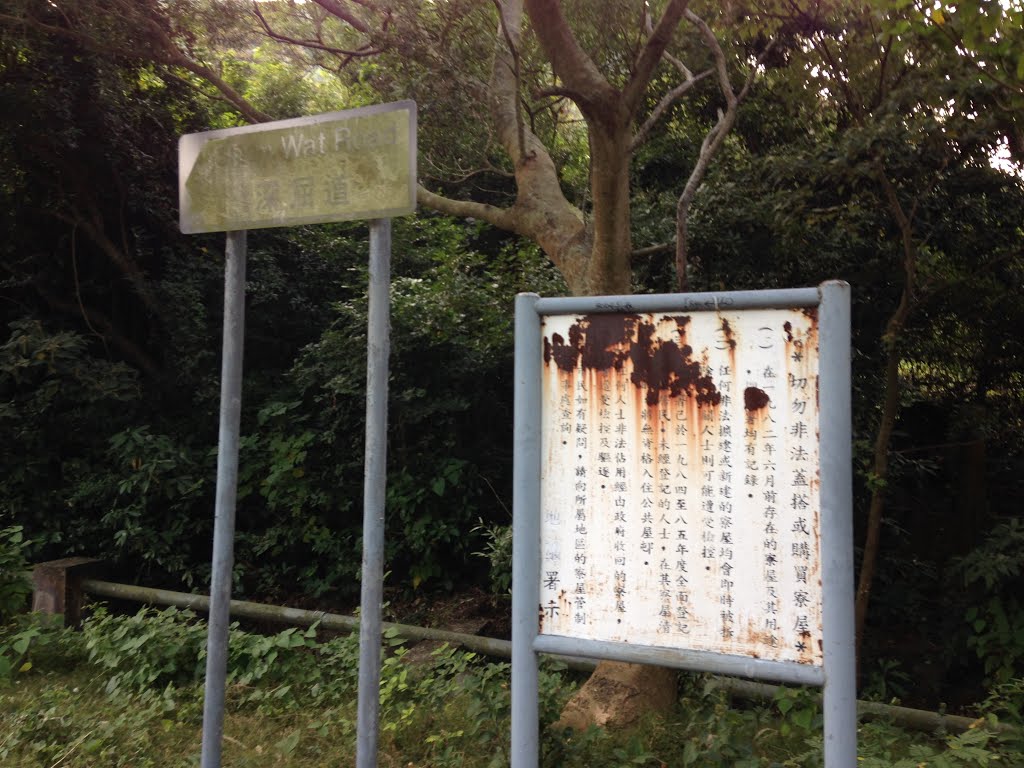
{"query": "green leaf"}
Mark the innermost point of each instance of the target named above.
(21, 643)
(288, 744)
(803, 718)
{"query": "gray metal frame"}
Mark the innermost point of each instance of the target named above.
(838, 674)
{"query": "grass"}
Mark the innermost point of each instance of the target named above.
(69, 719)
(127, 692)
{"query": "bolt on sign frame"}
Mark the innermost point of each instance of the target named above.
(683, 491)
(339, 166)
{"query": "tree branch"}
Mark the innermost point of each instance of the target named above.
(239, 102)
(336, 9)
(467, 175)
(78, 290)
(577, 71)
(166, 53)
(97, 320)
(317, 45)
(93, 228)
(653, 250)
(513, 50)
(667, 101)
(724, 84)
(651, 54)
(714, 139)
(502, 218)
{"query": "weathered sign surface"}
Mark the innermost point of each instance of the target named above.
(679, 481)
(356, 164)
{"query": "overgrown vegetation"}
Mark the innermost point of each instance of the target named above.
(126, 691)
(863, 152)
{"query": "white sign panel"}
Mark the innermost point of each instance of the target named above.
(680, 483)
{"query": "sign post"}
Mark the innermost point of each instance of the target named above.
(683, 491)
(375, 473)
(356, 164)
(227, 491)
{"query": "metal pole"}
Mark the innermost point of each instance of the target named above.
(227, 490)
(840, 661)
(375, 476)
(526, 465)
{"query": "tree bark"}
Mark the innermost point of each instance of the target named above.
(608, 269)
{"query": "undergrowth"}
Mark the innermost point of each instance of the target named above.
(127, 691)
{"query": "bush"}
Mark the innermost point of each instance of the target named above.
(994, 576)
(14, 585)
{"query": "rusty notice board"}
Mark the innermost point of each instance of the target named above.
(679, 481)
(682, 491)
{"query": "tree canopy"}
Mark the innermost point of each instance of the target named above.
(567, 146)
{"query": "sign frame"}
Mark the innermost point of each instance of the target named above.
(837, 675)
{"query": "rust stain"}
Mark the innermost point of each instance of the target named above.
(564, 355)
(730, 340)
(606, 342)
(755, 399)
(727, 330)
(681, 322)
(788, 328)
(755, 636)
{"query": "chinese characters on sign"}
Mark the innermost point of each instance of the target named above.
(342, 165)
(679, 481)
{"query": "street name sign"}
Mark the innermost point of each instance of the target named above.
(337, 166)
(356, 164)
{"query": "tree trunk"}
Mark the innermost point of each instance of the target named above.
(890, 407)
(879, 475)
(608, 265)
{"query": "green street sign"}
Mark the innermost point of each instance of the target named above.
(338, 166)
